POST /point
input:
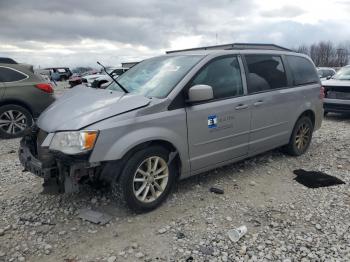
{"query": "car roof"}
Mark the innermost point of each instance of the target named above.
(6, 60)
(235, 51)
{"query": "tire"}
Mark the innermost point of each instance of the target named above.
(63, 78)
(301, 137)
(21, 121)
(131, 191)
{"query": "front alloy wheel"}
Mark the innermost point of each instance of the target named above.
(151, 179)
(146, 179)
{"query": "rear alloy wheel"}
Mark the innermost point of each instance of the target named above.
(146, 179)
(301, 137)
(14, 121)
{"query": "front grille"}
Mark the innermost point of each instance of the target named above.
(337, 107)
(337, 92)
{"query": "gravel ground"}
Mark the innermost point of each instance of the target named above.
(286, 221)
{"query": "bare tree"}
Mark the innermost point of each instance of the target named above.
(325, 53)
(342, 55)
(304, 49)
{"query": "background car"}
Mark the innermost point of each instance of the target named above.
(105, 79)
(60, 73)
(337, 92)
(75, 80)
(325, 72)
(23, 96)
(88, 79)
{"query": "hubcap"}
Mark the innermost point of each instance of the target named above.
(150, 179)
(13, 122)
(303, 136)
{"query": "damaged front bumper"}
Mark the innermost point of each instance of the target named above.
(32, 164)
(68, 171)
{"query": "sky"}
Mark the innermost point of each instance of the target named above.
(79, 33)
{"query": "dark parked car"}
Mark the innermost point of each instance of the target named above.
(60, 73)
(337, 92)
(23, 96)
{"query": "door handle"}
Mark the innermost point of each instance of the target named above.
(258, 103)
(241, 106)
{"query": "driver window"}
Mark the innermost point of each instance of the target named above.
(223, 75)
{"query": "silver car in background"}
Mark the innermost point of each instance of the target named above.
(174, 116)
(337, 92)
(325, 72)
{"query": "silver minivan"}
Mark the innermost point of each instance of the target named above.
(174, 116)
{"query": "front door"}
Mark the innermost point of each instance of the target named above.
(218, 130)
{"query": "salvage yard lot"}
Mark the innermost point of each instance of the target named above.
(286, 221)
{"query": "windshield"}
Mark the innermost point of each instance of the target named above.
(156, 77)
(342, 74)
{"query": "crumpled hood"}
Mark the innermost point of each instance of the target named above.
(335, 82)
(83, 106)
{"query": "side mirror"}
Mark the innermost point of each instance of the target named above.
(329, 77)
(198, 93)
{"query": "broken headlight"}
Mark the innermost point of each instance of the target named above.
(75, 142)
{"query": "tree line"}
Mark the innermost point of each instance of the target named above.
(326, 53)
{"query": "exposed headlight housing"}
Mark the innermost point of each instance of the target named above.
(75, 142)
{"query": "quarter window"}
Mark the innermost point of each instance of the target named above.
(303, 70)
(265, 72)
(223, 75)
(10, 75)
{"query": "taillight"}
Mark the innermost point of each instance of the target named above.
(46, 87)
(322, 92)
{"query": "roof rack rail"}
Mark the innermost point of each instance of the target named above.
(6, 60)
(234, 46)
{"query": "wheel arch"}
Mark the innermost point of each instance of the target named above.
(113, 169)
(157, 142)
(5, 102)
(309, 113)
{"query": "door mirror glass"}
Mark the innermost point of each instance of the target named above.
(198, 93)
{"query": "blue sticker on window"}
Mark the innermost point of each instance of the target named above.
(212, 121)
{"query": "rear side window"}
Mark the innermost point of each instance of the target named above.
(265, 72)
(223, 75)
(10, 75)
(303, 70)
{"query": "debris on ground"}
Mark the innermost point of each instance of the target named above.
(94, 216)
(236, 234)
(216, 190)
(316, 179)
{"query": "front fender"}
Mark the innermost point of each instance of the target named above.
(113, 144)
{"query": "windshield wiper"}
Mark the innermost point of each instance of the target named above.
(120, 85)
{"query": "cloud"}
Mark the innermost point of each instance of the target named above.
(74, 33)
(284, 11)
